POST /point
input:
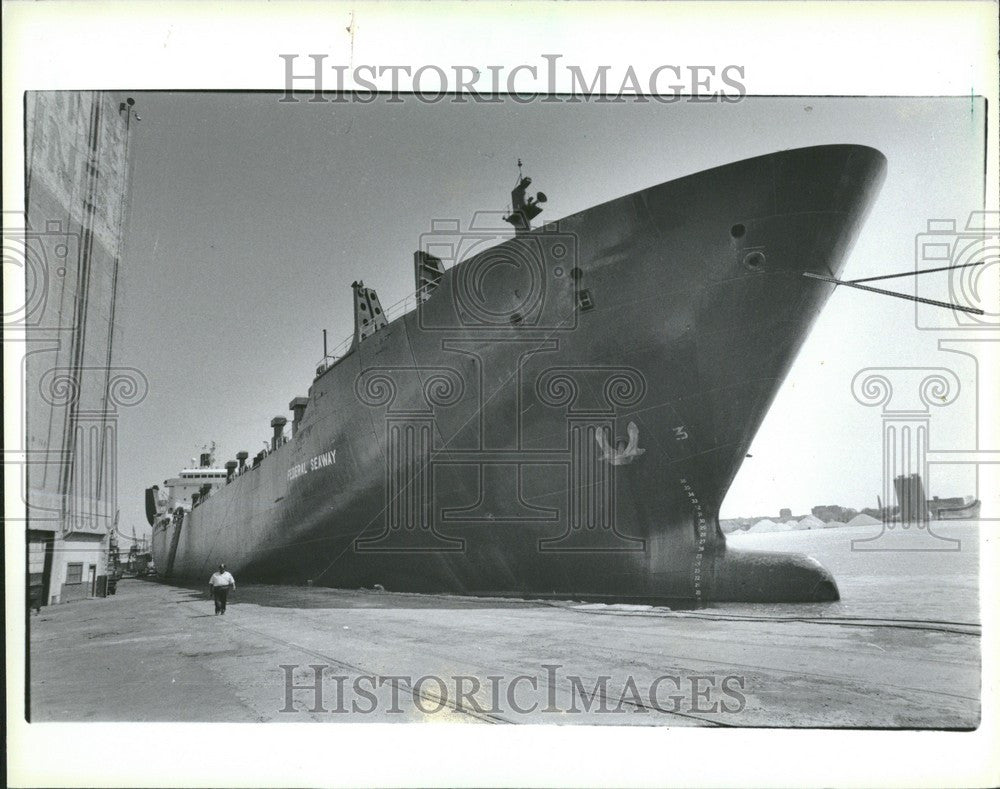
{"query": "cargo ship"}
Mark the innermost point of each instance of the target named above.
(559, 411)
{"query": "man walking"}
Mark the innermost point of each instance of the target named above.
(219, 585)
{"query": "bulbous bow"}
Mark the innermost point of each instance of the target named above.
(769, 577)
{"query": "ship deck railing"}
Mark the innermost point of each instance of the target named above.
(404, 306)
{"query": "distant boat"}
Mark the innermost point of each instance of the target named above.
(910, 493)
(966, 509)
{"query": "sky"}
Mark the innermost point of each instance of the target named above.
(250, 218)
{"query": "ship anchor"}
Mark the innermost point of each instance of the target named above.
(620, 455)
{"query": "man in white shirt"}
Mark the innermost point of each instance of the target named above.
(219, 585)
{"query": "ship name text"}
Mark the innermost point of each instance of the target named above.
(313, 464)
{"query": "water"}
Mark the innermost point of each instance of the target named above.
(890, 580)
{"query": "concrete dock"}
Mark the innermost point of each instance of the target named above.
(157, 652)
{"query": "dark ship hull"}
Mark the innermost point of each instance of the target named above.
(481, 445)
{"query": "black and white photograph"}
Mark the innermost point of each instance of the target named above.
(616, 398)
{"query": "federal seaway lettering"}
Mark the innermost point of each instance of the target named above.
(313, 464)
